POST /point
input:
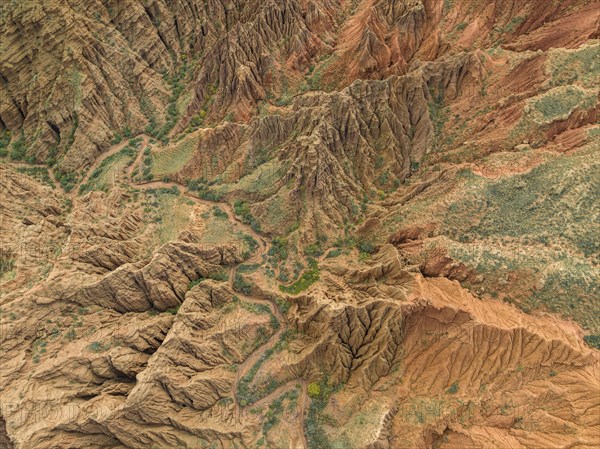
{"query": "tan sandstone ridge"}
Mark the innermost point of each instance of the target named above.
(299, 224)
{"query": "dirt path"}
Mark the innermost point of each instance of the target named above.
(233, 219)
(138, 159)
(113, 150)
(49, 169)
(247, 364)
(257, 257)
(302, 403)
(296, 420)
(53, 178)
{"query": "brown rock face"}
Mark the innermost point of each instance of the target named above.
(301, 224)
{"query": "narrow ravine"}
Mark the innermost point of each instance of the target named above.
(255, 258)
(246, 365)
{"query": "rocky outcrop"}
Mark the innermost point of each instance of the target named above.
(336, 148)
(74, 92)
(161, 284)
(32, 224)
(237, 69)
(375, 335)
(190, 376)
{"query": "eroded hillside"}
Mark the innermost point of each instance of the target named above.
(299, 224)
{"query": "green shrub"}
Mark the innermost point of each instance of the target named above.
(365, 246)
(313, 425)
(248, 268)
(117, 138)
(4, 142)
(276, 409)
(172, 310)
(514, 23)
(278, 251)
(384, 178)
(242, 209)
(67, 180)
(453, 389)
(195, 282)
(314, 390)
(219, 213)
(250, 242)
(308, 278)
(127, 154)
(283, 275)
(580, 65)
(173, 190)
(18, 148)
(172, 112)
(221, 276)
(592, 341)
(241, 285)
(203, 190)
(7, 262)
(245, 395)
(135, 142)
(256, 308)
(97, 346)
(284, 100)
(438, 114)
(333, 253)
(283, 304)
(314, 250)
